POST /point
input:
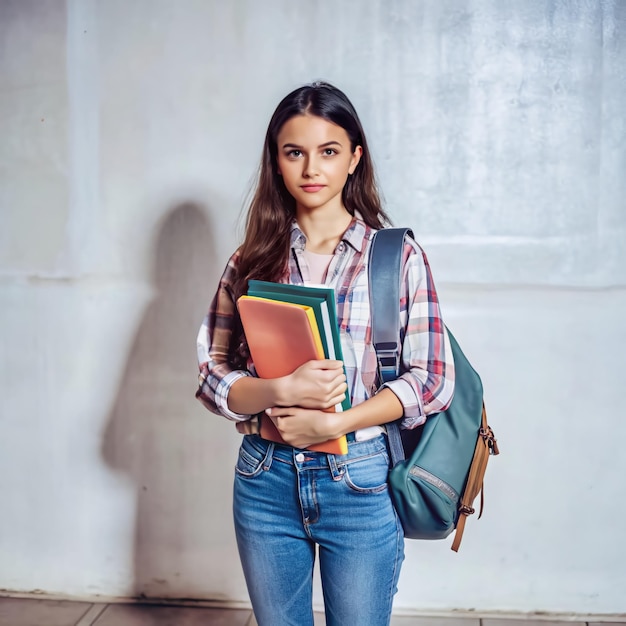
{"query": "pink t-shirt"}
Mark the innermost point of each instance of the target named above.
(318, 264)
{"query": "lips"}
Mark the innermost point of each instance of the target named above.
(311, 188)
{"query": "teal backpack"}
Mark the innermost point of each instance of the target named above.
(437, 469)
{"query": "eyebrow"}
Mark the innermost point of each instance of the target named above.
(324, 145)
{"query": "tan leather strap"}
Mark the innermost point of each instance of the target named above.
(486, 444)
(458, 535)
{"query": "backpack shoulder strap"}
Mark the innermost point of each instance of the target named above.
(385, 275)
(385, 264)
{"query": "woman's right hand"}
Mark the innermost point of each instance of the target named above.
(317, 384)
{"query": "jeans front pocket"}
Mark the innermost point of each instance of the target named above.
(253, 457)
(368, 474)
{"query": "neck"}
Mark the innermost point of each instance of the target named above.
(323, 231)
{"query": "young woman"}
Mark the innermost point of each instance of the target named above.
(311, 220)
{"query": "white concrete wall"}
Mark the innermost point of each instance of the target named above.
(130, 133)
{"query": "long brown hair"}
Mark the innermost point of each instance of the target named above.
(264, 253)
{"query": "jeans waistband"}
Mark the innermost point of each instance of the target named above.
(296, 456)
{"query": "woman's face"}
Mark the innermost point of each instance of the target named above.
(315, 159)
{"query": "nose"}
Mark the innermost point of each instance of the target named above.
(310, 167)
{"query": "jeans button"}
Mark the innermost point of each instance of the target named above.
(299, 457)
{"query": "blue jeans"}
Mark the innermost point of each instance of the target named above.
(288, 500)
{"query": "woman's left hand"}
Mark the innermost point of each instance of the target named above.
(302, 428)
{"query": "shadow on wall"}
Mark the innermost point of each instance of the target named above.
(159, 435)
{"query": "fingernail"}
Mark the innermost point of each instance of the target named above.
(268, 411)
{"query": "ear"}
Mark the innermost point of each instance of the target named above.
(354, 161)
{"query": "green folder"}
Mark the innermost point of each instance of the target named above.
(320, 299)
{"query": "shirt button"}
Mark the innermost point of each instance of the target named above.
(300, 457)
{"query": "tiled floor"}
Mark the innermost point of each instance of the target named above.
(27, 612)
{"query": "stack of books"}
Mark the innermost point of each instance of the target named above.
(286, 326)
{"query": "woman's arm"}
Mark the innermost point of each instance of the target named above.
(426, 383)
(316, 384)
(304, 427)
(217, 376)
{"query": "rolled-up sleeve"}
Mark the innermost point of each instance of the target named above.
(426, 382)
(216, 375)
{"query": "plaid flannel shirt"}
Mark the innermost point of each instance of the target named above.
(426, 382)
